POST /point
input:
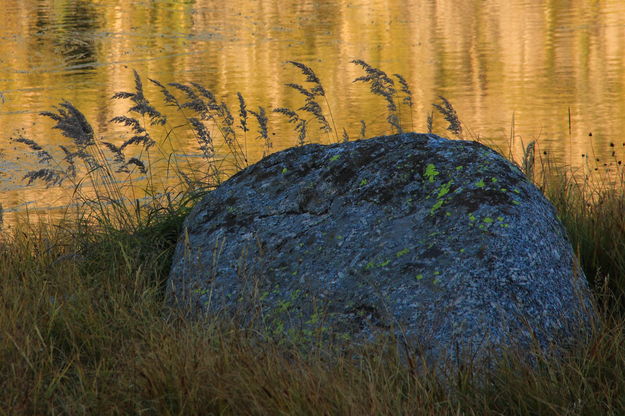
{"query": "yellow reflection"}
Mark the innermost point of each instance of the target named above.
(531, 59)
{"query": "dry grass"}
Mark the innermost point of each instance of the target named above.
(87, 332)
(84, 328)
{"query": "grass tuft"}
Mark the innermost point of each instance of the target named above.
(72, 124)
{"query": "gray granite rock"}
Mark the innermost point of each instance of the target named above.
(442, 243)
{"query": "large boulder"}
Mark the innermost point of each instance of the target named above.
(443, 244)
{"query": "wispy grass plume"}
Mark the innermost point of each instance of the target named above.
(243, 115)
(430, 122)
(407, 92)
(263, 131)
(170, 99)
(83, 163)
(294, 118)
(529, 158)
(49, 176)
(42, 155)
(142, 105)
(116, 151)
(311, 105)
(317, 89)
(201, 101)
(449, 112)
(72, 124)
(384, 86)
(345, 135)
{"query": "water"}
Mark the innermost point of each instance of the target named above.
(512, 68)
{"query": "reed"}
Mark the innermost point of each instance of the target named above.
(384, 86)
(84, 328)
(311, 105)
(448, 111)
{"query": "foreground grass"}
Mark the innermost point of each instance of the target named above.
(84, 330)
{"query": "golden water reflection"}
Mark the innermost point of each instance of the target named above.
(514, 69)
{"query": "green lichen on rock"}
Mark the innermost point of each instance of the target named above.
(430, 172)
(444, 189)
(402, 252)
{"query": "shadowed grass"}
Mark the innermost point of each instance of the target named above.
(594, 220)
(86, 332)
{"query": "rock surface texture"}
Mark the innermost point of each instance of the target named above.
(442, 243)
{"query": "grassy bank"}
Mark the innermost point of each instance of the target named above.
(84, 329)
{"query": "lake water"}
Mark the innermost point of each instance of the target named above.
(515, 70)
